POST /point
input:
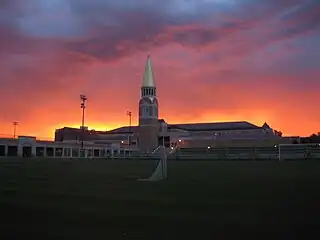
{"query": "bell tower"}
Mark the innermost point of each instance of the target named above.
(148, 112)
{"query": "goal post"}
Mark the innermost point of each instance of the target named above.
(161, 171)
(295, 151)
(282, 147)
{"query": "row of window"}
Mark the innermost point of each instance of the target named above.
(234, 132)
(148, 111)
(12, 151)
(148, 92)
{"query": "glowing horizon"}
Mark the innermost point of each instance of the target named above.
(48, 133)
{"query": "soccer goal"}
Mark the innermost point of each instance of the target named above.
(297, 151)
(161, 171)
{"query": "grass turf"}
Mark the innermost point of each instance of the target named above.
(101, 199)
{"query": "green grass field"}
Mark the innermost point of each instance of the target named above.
(102, 200)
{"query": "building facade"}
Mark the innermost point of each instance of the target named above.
(152, 131)
(26, 146)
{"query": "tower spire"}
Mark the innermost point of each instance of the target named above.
(148, 112)
(148, 79)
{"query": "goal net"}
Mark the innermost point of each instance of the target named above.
(298, 151)
(160, 173)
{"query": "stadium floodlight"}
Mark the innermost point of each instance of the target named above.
(15, 128)
(83, 99)
(294, 151)
(129, 114)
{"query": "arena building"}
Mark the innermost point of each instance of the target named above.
(28, 146)
(152, 131)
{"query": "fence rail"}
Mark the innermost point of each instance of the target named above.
(278, 152)
(282, 153)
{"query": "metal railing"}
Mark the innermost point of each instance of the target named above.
(285, 152)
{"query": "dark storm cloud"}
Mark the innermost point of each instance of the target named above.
(114, 28)
(51, 48)
(107, 30)
(116, 35)
(8, 4)
(304, 18)
(118, 29)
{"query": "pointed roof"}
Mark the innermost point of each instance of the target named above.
(148, 80)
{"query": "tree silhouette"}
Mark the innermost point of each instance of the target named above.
(278, 133)
(313, 138)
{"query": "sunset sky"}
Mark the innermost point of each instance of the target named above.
(213, 60)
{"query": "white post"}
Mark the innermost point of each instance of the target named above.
(6, 150)
(33, 150)
(45, 151)
(160, 172)
(20, 150)
(129, 145)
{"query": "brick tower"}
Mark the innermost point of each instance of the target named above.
(148, 112)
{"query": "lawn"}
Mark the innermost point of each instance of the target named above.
(100, 199)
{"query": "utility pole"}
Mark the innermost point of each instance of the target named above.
(129, 113)
(83, 99)
(15, 124)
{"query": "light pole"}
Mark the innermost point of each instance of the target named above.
(83, 99)
(15, 124)
(129, 113)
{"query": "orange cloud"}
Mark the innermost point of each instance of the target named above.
(192, 96)
(257, 66)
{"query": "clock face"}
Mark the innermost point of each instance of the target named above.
(143, 101)
(148, 100)
(155, 101)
